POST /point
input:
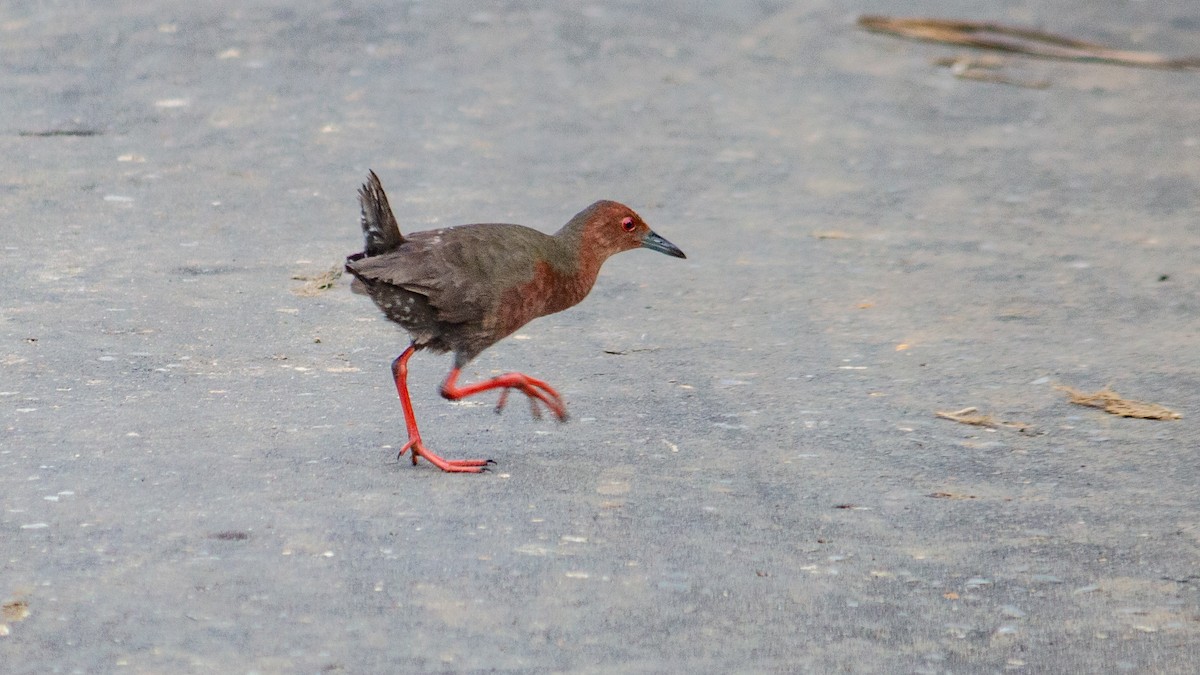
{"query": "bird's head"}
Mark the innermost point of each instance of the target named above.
(611, 227)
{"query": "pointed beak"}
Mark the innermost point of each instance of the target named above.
(656, 243)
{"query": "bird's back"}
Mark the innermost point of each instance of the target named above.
(451, 288)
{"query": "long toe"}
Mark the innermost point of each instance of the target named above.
(458, 465)
(534, 409)
(454, 468)
(556, 405)
(464, 469)
(537, 390)
(447, 465)
(470, 462)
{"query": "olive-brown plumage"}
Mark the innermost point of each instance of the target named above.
(461, 289)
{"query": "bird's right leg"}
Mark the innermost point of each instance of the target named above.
(400, 375)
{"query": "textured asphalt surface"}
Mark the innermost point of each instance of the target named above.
(197, 464)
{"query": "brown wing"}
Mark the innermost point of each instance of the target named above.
(463, 270)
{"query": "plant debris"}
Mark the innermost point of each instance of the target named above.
(972, 416)
(989, 35)
(319, 283)
(1112, 403)
(969, 416)
(15, 610)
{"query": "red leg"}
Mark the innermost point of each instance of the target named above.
(535, 389)
(400, 375)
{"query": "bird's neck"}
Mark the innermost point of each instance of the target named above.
(576, 265)
(562, 277)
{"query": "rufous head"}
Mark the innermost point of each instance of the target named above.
(611, 227)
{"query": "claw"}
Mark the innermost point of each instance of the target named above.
(403, 449)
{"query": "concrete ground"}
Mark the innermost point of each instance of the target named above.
(198, 464)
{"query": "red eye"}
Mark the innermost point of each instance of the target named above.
(627, 223)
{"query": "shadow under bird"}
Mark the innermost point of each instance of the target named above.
(462, 289)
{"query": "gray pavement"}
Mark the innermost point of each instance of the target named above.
(197, 465)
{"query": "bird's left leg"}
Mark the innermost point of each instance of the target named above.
(400, 375)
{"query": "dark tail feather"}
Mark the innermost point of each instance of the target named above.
(379, 225)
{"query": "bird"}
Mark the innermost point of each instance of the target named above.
(462, 289)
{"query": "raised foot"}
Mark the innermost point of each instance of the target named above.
(536, 390)
(448, 465)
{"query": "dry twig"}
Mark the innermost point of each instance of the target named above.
(973, 417)
(989, 35)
